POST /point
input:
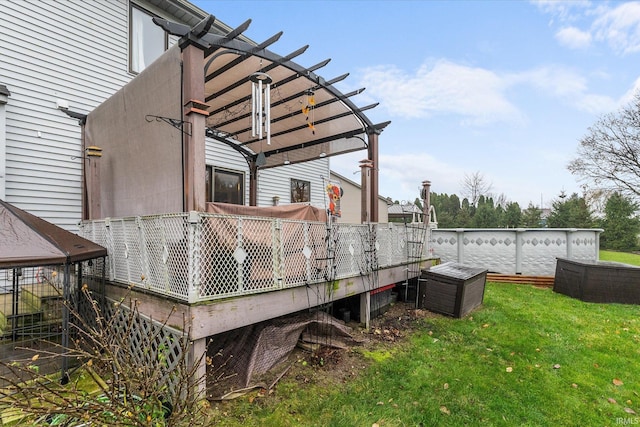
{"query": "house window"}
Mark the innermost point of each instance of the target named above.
(300, 191)
(147, 41)
(226, 187)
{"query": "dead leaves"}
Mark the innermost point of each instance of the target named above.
(616, 382)
(444, 410)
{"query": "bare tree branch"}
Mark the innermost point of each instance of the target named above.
(474, 186)
(608, 156)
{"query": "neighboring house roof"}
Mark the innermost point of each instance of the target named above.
(408, 209)
(29, 241)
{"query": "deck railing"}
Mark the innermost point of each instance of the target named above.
(199, 256)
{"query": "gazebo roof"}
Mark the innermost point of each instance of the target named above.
(27, 241)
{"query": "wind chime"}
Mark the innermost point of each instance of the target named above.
(308, 110)
(261, 110)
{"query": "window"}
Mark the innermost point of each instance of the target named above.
(227, 186)
(147, 41)
(300, 191)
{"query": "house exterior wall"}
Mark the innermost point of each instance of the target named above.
(55, 51)
(277, 182)
(76, 53)
(351, 202)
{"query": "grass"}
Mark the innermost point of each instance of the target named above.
(528, 357)
(624, 257)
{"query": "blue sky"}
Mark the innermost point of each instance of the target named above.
(504, 88)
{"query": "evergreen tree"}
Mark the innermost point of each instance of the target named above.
(485, 215)
(512, 216)
(570, 213)
(418, 203)
(621, 224)
(531, 217)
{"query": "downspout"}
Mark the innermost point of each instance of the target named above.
(182, 148)
(253, 182)
(4, 98)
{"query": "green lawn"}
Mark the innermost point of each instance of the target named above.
(528, 357)
(624, 257)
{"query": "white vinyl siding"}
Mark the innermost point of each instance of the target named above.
(274, 181)
(277, 182)
(222, 156)
(55, 51)
(72, 50)
(77, 51)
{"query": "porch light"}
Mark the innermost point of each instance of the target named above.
(323, 154)
(261, 105)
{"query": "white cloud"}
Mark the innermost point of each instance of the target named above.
(476, 94)
(567, 85)
(563, 10)
(405, 172)
(620, 27)
(573, 38)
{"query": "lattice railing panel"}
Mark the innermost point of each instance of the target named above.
(167, 249)
(304, 252)
(119, 255)
(220, 272)
(260, 241)
(351, 244)
(200, 256)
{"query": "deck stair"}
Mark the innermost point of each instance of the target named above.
(39, 309)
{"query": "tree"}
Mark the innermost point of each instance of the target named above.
(570, 213)
(474, 186)
(130, 392)
(621, 225)
(609, 155)
(486, 215)
(531, 217)
(512, 216)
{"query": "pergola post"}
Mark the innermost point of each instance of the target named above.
(194, 127)
(94, 203)
(365, 195)
(372, 136)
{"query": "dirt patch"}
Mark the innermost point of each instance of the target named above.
(327, 366)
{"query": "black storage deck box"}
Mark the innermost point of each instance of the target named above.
(452, 289)
(598, 281)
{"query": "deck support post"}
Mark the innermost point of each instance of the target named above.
(365, 309)
(197, 356)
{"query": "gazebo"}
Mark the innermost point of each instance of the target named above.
(39, 262)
